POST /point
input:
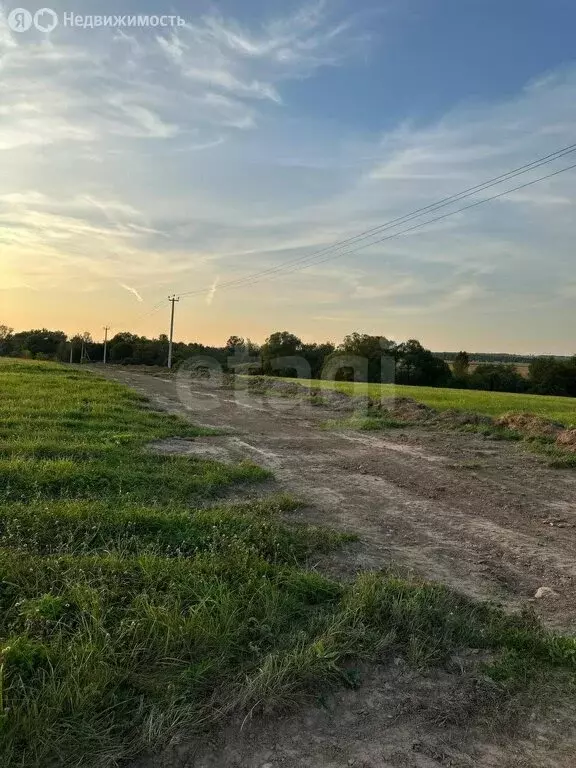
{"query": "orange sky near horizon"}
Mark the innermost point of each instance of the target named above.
(235, 314)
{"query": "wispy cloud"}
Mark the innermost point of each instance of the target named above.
(146, 160)
(212, 292)
(131, 290)
(234, 66)
(203, 78)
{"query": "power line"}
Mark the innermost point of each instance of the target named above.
(334, 249)
(439, 218)
(395, 222)
(338, 249)
(423, 223)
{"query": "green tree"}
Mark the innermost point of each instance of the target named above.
(5, 332)
(461, 365)
(316, 355)
(122, 346)
(121, 352)
(234, 342)
(39, 341)
(5, 339)
(375, 357)
(279, 345)
(421, 367)
(550, 376)
(497, 377)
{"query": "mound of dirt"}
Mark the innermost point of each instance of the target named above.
(286, 388)
(530, 425)
(259, 385)
(337, 401)
(407, 409)
(567, 439)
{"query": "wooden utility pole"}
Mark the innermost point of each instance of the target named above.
(172, 299)
(106, 329)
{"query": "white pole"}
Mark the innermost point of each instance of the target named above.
(106, 329)
(172, 300)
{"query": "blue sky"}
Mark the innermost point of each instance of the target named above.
(140, 162)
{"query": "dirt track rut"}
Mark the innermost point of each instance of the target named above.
(486, 517)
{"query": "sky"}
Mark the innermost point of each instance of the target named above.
(139, 162)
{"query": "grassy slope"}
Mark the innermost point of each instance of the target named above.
(130, 609)
(561, 409)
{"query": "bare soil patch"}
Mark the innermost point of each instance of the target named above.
(396, 718)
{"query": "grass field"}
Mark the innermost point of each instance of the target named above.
(134, 603)
(561, 409)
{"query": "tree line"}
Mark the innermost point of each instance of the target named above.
(359, 357)
(495, 357)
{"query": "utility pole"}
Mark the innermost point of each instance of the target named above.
(172, 299)
(106, 329)
(71, 351)
(82, 351)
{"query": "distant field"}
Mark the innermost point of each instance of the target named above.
(561, 409)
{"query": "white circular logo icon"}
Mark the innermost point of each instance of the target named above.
(20, 20)
(45, 20)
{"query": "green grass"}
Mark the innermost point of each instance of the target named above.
(366, 423)
(135, 603)
(558, 458)
(561, 409)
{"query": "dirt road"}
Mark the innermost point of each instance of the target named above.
(486, 517)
